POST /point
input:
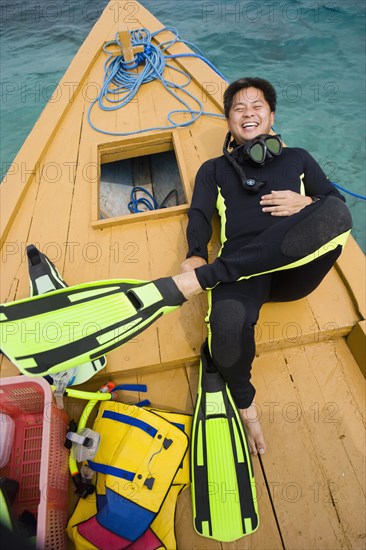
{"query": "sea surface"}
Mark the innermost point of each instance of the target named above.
(312, 51)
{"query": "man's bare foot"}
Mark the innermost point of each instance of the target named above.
(188, 284)
(253, 429)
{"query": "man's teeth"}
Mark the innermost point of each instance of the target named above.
(250, 125)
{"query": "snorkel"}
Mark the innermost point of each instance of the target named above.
(84, 442)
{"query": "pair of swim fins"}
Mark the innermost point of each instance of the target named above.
(223, 487)
(64, 328)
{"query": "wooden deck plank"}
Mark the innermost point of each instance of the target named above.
(167, 239)
(51, 216)
(7, 368)
(297, 461)
(13, 252)
(89, 250)
(342, 386)
(151, 114)
(170, 390)
(284, 324)
(291, 463)
(336, 423)
(208, 135)
(190, 154)
(332, 305)
(14, 272)
(187, 538)
(131, 260)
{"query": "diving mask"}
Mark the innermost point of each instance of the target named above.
(260, 149)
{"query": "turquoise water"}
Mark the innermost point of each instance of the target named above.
(313, 51)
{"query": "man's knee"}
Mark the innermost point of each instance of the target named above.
(328, 220)
(232, 329)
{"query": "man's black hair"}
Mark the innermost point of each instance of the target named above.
(248, 82)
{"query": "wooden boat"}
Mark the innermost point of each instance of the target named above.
(310, 365)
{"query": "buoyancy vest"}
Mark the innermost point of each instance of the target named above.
(142, 465)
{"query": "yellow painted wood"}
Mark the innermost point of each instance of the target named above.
(335, 421)
(13, 255)
(115, 153)
(312, 417)
(332, 305)
(130, 259)
(352, 267)
(357, 343)
(7, 368)
(133, 218)
(116, 145)
(56, 193)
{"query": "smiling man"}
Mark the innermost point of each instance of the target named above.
(283, 225)
(250, 114)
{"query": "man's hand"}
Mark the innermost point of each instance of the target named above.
(191, 263)
(284, 203)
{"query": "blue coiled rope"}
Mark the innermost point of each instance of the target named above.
(121, 84)
(148, 202)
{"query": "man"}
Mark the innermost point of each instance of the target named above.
(283, 225)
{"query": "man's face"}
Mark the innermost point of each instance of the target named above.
(249, 116)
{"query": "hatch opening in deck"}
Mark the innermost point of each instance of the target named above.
(151, 166)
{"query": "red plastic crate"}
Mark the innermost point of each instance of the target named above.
(38, 460)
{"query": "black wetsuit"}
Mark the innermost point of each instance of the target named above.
(257, 250)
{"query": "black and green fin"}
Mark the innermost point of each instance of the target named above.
(64, 328)
(44, 277)
(223, 487)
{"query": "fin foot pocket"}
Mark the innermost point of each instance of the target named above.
(134, 299)
(170, 292)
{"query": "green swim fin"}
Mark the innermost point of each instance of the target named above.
(223, 488)
(44, 277)
(61, 329)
